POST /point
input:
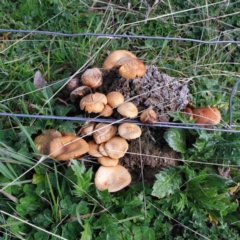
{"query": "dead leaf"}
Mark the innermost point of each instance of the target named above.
(224, 172)
(212, 219)
(39, 81)
(232, 190)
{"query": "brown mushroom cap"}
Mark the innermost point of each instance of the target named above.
(107, 161)
(129, 65)
(148, 116)
(128, 109)
(103, 132)
(63, 148)
(206, 115)
(42, 141)
(115, 56)
(101, 149)
(107, 111)
(112, 178)
(129, 130)
(88, 129)
(116, 147)
(93, 102)
(92, 78)
(72, 84)
(115, 98)
(131, 68)
(93, 149)
(79, 92)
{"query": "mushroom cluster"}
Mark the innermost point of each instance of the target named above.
(61, 146)
(108, 91)
(127, 64)
(108, 145)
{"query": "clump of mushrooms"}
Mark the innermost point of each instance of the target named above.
(128, 65)
(61, 146)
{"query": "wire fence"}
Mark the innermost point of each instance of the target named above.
(230, 127)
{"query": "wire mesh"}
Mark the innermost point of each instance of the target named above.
(220, 128)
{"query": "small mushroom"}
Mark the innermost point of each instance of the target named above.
(88, 129)
(129, 130)
(112, 178)
(116, 147)
(206, 115)
(103, 132)
(73, 84)
(66, 147)
(127, 63)
(93, 149)
(101, 149)
(107, 111)
(107, 161)
(93, 102)
(128, 109)
(114, 99)
(131, 68)
(42, 141)
(148, 116)
(92, 78)
(79, 92)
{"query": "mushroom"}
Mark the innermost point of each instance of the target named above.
(93, 149)
(103, 132)
(72, 84)
(148, 116)
(131, 68)
(79, 92)
(128, 109)
(70, 146)
(42, 141)
(101, 149)
(112, 178)
(107, 111)
(93, 102)
(114, 99)
(88, 129)
(127, 63)
(107, 161)
(92, 78)
(206, 115)
(116, 147)
(129, 130)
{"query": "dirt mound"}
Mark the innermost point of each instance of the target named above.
(164, 95)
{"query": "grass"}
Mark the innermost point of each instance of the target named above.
(53, 201)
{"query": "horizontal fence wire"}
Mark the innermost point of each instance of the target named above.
(115, 121)
(108, 35)
(226, 128)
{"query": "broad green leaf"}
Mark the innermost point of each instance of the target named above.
(176, 138)
(167, 182)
